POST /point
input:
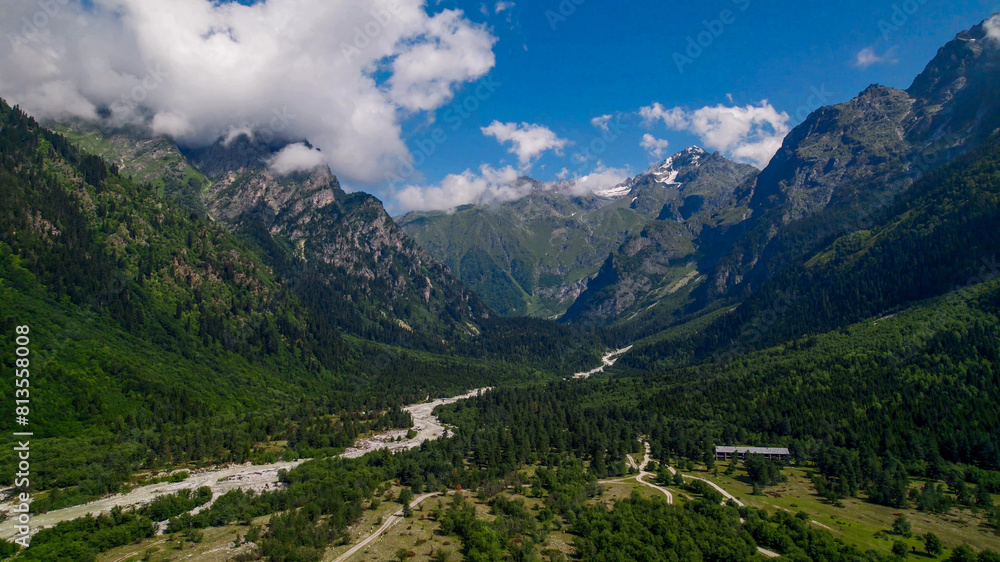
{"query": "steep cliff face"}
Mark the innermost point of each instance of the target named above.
(317, 237)
(844, 163)
(960, 94)
(346, 242)
(835, 152)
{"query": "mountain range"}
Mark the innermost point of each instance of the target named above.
(194, 306)
(703, 230)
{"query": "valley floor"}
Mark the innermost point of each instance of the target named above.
(247, 476)
(383, 533)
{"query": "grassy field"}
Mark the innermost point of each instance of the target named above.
(859, 522)
(420, 535)
(415, 534)
(213, 545)
(856, 522)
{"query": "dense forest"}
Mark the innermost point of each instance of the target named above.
(187, 345)
(181, 344)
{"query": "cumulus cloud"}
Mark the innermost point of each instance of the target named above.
(343, 77)
(497, 185)
(600, 179)
(672, 118)
(601, 122)
(869, 57)
(654, 146)
(296, 158)
(503, 6)
(750, 134)
(488, 185)
(528, 141)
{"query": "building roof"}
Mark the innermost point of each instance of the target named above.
(753, 450)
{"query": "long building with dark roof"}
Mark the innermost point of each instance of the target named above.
(775, 453)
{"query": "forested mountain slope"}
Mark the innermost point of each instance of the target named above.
(161, 337)
(937, 236)
(836, 169)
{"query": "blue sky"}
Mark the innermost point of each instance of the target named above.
(473, 93)
(615, 58)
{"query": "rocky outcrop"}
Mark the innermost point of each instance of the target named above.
(346, 241)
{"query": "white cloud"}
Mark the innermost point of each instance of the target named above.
(869, 57)
(601, 122)
(528, 141)
(673, 118)
(467, 188)
(502, 6)
(236, 132)
(654, 146)
(600, 179)
(993, 28)
(296, 158)
(750, 134)
(425, 73)
(343, 77)
(497, 185)
(172, 125)
(866, 57)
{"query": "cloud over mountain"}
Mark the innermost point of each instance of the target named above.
(749, 134)
(498, 185)
(341, 74)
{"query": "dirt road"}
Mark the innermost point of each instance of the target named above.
(642, 474)
(388, 524)
(608, 360)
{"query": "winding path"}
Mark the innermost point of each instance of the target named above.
(388, 524)
(670, 499)
(643, 472)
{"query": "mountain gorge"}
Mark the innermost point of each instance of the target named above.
(705, 230)
(534, 255)
(196, 308)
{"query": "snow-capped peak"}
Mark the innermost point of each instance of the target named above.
(664, 174)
